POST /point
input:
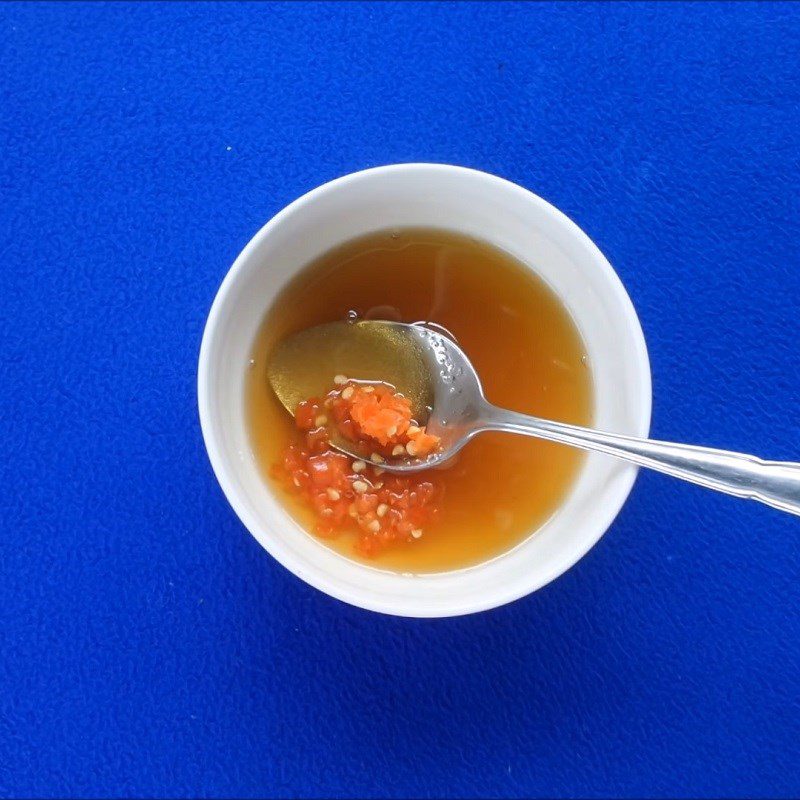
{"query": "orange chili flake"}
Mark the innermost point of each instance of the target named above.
(376, 414)
(385, 510)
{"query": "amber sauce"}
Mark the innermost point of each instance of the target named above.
(522, 342)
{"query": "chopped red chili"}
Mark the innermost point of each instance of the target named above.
(346, 493)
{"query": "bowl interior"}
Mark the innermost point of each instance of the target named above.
(474, 204)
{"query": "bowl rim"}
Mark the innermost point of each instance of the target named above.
(317, 578)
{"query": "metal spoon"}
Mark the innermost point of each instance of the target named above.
(459, 411)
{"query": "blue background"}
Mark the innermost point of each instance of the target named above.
(148, 646)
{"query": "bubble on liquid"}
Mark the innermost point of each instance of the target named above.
(384, 312)
(395, 234)
(252, 362)
(584, 360)
(352, 315)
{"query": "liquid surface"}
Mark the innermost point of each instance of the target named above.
(522, 342)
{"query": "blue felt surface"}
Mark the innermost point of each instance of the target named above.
(148, 646)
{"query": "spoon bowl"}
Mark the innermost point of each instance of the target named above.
(418, 361)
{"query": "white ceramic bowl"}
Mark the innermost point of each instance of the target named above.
(473, 203)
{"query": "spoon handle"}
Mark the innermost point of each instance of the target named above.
(776, 483)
